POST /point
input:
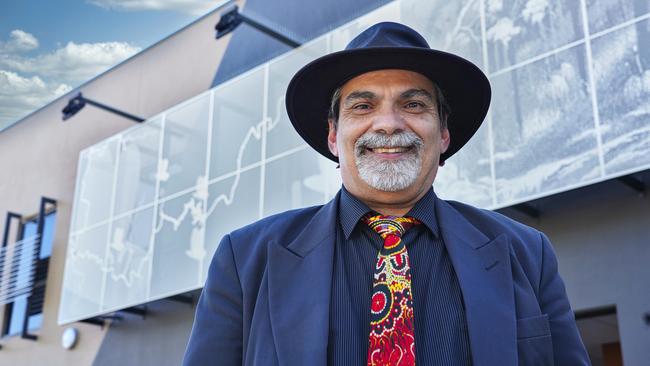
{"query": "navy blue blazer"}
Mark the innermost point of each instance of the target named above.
(267, 296)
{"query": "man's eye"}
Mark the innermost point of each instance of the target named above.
(361, 106)
(414, 105)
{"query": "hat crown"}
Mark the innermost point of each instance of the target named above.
(388, 34)
(386, 46)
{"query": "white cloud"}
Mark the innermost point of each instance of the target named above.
(193, 7)
(30, 82)
(19, 95)
(73, 63)
(19, 41)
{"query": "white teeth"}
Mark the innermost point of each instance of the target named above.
(389, 150)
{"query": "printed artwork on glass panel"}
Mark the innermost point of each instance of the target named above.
(95, 179)
(232, 202)
(128, 260)
(467, 176)
(604, 14)
(543, 127)
(185, 145)
(179, 242)
(621, 61)
(84, 273)
(153, 202)
(135, 184)
(451, 26)
(294, 181)
(238, 119)
(519, 30)
(281, 136)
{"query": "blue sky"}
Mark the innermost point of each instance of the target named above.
(49, 47)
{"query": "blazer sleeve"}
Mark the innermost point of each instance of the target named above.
(216, 337)
(568, 348)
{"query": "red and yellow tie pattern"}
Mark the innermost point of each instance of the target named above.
(392, 336)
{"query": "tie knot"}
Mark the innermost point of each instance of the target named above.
(389, 225)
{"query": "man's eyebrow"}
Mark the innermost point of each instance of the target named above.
(359, 95)
(416, 93)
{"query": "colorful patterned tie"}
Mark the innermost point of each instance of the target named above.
(392, 336)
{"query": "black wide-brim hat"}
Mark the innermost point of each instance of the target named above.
(387, 46)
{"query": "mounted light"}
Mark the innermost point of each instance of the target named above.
(231, 18)
(79, 102)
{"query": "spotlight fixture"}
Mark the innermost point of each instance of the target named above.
(231, 18)
(79, 102)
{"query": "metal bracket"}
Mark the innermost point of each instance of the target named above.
(231, 18)
(634, 183)
(79, 101)
(185, 299)
(101, 320)
(142, 311)
(528, 210)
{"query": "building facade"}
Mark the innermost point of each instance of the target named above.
(111, 225)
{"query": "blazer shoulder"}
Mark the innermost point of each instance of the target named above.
(493, 224)
(527, 244)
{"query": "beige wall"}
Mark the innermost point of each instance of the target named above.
(38, 157)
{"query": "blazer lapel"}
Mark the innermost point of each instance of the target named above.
(300, 278)
(482, 266)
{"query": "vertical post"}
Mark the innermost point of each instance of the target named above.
(40, 269)
(5, 241)
(10, 216)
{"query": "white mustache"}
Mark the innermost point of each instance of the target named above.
(390, 175)
(372, 140)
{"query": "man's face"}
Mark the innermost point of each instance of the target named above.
(388, 137)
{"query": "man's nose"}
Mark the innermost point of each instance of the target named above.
(388, 121)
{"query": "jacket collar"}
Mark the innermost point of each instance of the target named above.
(351, 210)
(300, 281)
(482, 265)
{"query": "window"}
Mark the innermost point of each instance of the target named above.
(25, 267)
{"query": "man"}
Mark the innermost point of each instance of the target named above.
(386, 273)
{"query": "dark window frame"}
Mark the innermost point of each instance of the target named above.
(41, 269)
(6, 321)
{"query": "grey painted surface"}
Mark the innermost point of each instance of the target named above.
(158, 339)
(602, 238)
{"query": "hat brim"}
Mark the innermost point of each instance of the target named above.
(465, 87)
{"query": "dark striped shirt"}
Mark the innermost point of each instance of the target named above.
(441, 336)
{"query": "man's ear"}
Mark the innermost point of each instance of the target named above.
(445, 140)
(331, 138)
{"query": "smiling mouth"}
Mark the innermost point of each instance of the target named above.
(390, 150)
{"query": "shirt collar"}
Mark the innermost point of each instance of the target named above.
(351, 210)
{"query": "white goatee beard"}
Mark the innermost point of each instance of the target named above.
(389, 175)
